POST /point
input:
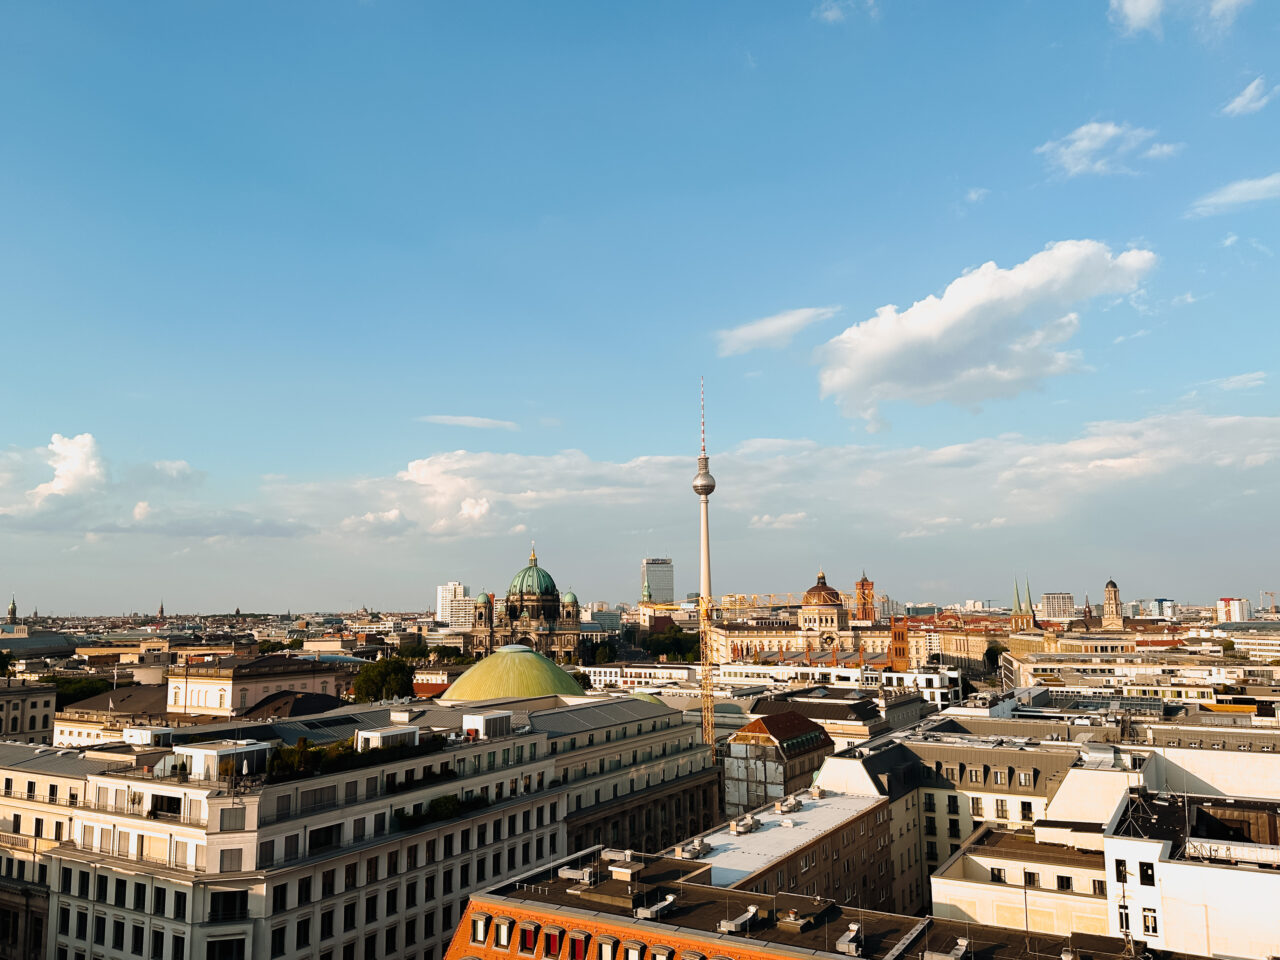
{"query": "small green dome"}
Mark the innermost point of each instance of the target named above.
(513, 671)
(570, 597)
(483, 600)
(532, 581)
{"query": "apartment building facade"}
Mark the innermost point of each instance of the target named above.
(366, 847)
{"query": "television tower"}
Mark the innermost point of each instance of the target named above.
(703, 485)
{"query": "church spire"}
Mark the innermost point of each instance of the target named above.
(1017, 597)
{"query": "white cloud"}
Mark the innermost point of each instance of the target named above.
(476, 423)
(141, 510)
(77, 468)
(1134, 16)
(1136, 335)
(783, 521)
(1224, 12)
(1241, 381)
(994, 332)
(1230, 240)
(385, 522)
(1251, 99)
(775, 331)
(1240, 193)
(835, 11)
(976, 194)
(1100, 147)
(1159, 151)
(1185, 299)
(174, 469)
(594, 514)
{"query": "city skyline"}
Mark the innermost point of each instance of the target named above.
(330, 329)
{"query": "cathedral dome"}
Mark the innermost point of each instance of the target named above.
(513, 671)
(483, 600)
(532, 581)
(820, 593)
(1111, 585)
(570, 597)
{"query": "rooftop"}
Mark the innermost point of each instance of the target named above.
(734, 857)
(1021, 845)
(698, 910)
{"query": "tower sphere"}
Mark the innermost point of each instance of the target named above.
(704, 483)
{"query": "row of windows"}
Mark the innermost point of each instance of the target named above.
(77, 883)
(1065, 883)
(427, 853)
(135, 934)
(571, 743)
(394, 937)
(527, 853)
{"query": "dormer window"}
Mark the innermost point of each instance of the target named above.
(502, 932)
(552, 940)
(479, 927)
(527, 941)
(608, 949)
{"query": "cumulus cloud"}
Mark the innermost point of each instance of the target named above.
(476, 423)
(993, 332)
(141, 510)
(775, 331)
(1134, 16)
(782, 521)
(1240, 193)
(1158, 151)
(594, 513)
(77, 468)
(1251, 99)
(1101, 147)
(384, 522)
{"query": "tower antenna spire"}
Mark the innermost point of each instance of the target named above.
(702, 410)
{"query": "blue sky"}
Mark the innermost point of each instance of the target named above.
(318, 304)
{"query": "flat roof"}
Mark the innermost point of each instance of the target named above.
(1023, 847)
(735, 857)
(699, 908)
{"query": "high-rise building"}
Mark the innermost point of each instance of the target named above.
(1057, 606)
(454, 605)
(1233, 609)
(659, 574)
(1164, 608)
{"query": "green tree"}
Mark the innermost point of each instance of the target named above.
(383, 679)
(584, 679)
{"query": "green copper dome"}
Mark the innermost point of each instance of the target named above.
(513, 671)
(532, 581)
(570, 597)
